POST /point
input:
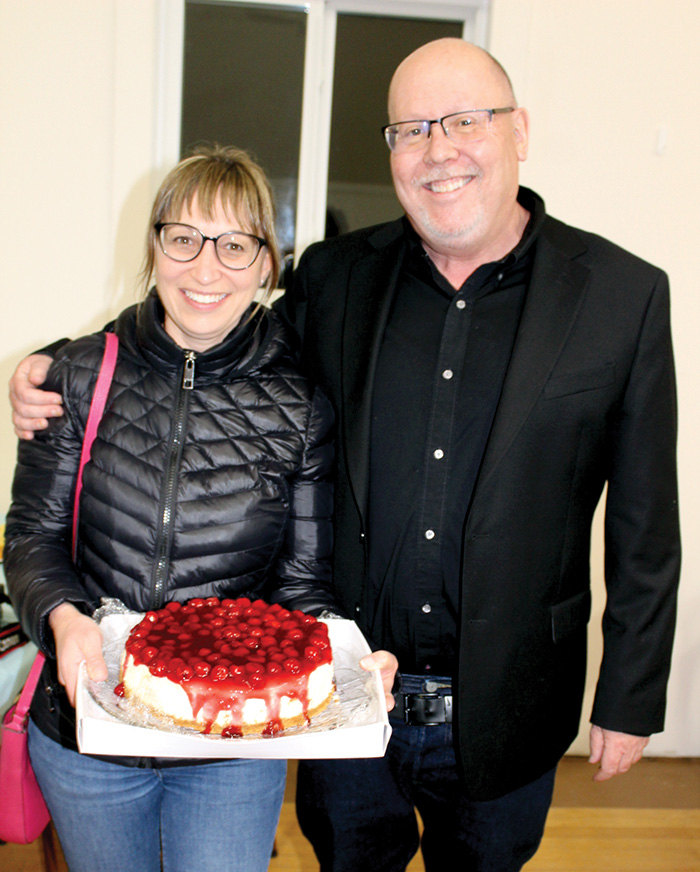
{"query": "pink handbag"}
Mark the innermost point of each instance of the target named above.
(23, 812)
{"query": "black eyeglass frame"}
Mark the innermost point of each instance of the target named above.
(161, 224)
(430, 121)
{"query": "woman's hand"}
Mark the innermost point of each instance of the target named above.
(387, 665)
(31, 407)
(77, 638)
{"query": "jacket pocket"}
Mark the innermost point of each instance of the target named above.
(571, 615)
(576, 382)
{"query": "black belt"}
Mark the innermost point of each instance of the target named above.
(423, 709)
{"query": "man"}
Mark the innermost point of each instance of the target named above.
(491, 369)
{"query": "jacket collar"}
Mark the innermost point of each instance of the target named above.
(253, 343)
(372, 282)
(553, 299)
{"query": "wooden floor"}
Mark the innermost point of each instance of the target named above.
(645, 821)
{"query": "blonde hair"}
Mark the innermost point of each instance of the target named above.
(224, 175)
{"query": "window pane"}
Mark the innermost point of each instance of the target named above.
(368, 50)
(242, 85)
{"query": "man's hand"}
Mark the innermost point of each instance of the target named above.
(77, 638)
(387, 665)
(31, 408)
(615, 752)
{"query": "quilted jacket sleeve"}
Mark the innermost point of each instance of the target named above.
(304, 564)
(38, 564)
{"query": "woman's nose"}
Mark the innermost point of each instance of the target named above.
(207, 265)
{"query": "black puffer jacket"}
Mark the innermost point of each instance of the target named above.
(222, 488)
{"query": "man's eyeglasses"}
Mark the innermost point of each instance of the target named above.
(235, 249)
(470, 125)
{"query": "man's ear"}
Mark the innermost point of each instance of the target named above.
(521, 129)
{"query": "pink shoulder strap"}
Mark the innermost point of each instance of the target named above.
(99, 399)
(18, 715)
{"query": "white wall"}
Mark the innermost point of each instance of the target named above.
(81, 154)
(613, 88)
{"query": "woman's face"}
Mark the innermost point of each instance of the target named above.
(203, 299)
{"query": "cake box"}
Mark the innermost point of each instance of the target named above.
(355, 724)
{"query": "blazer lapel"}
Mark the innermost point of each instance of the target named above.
(372, 281)
(553, 299)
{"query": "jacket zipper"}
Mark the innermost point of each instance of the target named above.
(172, 468)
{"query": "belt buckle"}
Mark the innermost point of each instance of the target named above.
(427, 709)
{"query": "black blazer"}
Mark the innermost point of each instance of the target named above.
(588, 399)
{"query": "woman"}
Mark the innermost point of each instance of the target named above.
(209, 477)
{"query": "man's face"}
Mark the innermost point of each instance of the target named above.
(459, 197)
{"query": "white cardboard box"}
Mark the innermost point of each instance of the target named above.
(354, 725)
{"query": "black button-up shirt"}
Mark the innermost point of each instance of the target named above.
(439, 377)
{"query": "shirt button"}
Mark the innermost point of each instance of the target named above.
(447, 374)
(438, 454)
(430, 534)
(460, 304)
(426, 608)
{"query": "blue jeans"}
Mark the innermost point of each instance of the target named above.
(360, 814)
(210, 817)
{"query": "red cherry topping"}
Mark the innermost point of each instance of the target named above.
(221, 649)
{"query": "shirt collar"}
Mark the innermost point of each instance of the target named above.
(527, 198)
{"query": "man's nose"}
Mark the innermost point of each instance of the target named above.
(440, 146)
